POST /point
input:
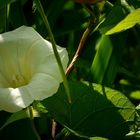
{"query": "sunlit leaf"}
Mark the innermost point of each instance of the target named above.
(128, 22)
(98, 138)
(135, 95)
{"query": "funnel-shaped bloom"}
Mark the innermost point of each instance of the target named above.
(28, 68)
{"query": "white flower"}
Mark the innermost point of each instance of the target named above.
(28, 68)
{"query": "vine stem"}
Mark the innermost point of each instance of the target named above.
(32, 122)
(83, 38)
(45, 19)
(54, 125)
(80, 47)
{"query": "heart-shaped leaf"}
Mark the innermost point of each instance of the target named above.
(95, 110)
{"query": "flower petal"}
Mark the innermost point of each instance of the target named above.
(30, 53)
(27, 61)
(42, 86)
(50, 67)
(13, 100)
(3, 81)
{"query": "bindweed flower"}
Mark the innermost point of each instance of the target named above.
(28, 68)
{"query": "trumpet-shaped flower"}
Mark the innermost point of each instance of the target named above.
(28, 68)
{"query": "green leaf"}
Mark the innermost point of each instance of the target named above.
(138, 111)
(128, 22)
(55, 10)
(115, 15)
(101, 59)
(135, 94)
(20, 130)
(5, 2)
(2, 17)
(94, 111)
(98, 138)
(23, 114)
(15, 13)
(107, 58)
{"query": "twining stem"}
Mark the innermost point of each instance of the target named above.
(83, 38)
(32, 122)
(54, 124)
(80, 47)
(45, 19)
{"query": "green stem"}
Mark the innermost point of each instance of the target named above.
(109, 4)
(7, 9)
(32, 122)
(44, 17)
(126, 6)
(90, 11)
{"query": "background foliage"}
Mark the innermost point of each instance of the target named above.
(105, 80)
